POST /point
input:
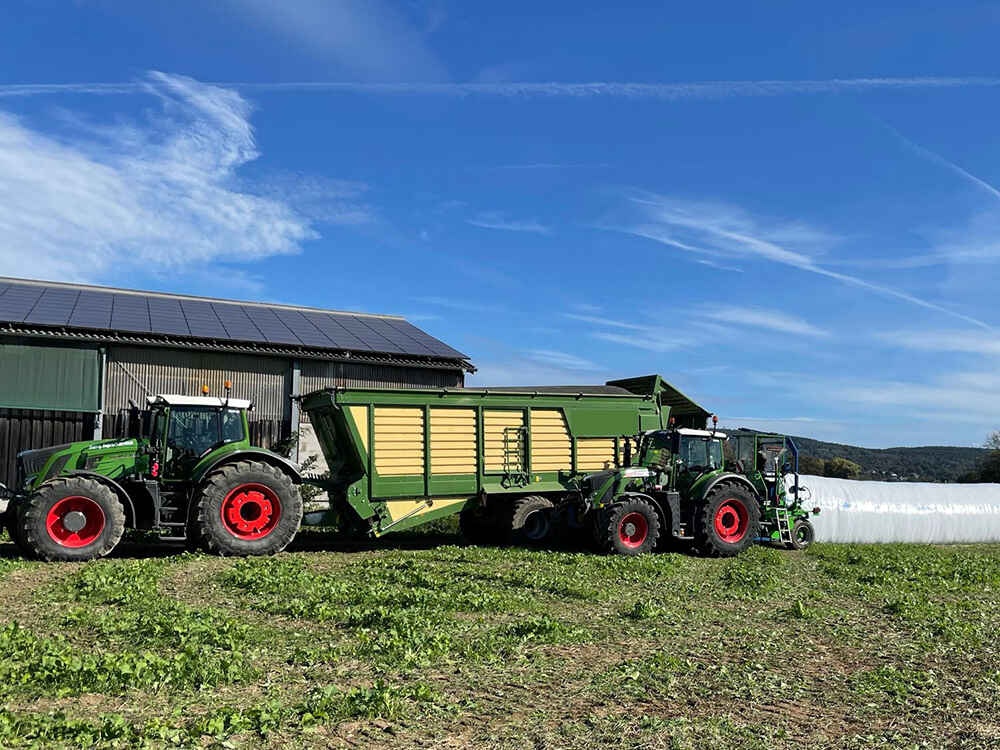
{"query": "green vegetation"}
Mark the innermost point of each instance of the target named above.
(428, 643)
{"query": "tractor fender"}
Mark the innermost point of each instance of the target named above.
(254, 454)
(737, 478)
(130, 517)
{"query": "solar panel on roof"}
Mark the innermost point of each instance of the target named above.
(437, 346)
(202, 320)
(338, 335)
(166, 316)
(65, 305)
(54, 307)
(130, 313)
(376, 341)
(306, 331)
(238, 324)
(93, 310)
(17, 302)
(400, 339)
(273, 330)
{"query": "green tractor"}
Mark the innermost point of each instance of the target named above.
(680, 485)
(187, 472)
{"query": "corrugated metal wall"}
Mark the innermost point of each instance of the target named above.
(316, 375)
(26, 429)
(264, 380)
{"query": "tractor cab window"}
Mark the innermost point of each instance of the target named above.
(700, 454)
(770, 454)
(657, 447)
(194, 431)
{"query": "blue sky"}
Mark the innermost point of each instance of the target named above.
(790, 211)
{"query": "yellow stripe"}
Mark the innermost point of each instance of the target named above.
(453, 441)
(399, 508)
(360, 416)
(399, 441)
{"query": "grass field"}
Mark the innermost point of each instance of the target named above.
(420, 642)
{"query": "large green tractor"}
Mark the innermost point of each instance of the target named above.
(681, 486)
(187, 472)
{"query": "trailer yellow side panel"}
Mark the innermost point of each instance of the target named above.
(453, 441)
(551, 449)
(595, 454)
(399, 441)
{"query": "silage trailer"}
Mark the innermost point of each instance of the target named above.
(511, 460)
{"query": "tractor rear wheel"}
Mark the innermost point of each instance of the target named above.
(630, 526)
(71, 519)
(727, 522)
(247, 508)
(532, 520)
(803, 535)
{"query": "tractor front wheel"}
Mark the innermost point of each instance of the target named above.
(630, 526)
(247, 508)
(803, 535)
(727, 522)
(71, 519)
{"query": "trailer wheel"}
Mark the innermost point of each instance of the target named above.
(532, 520)
(479, 525)
(803, 534)
(628, 527)
(247, 508)
(727, 522)
(71, 519)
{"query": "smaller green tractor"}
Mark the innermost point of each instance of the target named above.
(186, 472)
(722, 492)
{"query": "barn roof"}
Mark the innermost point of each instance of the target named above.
(54, 309)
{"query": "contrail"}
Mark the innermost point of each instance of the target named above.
(926, 153)
(625, 90)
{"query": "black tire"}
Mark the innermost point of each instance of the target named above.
(478, 525)
(246, 508)
(803, 534)
(727, 522)
(72, 519)
(532, 521)
(630, 526)
(14, 513)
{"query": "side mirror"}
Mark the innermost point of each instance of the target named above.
(786, 468)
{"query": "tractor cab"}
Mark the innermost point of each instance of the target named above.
(766, 460)
(694, 451)
(182, 430)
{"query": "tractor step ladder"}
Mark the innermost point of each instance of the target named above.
(514, 442)
(169, 516)
(781, 520)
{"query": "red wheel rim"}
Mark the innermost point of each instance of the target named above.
(251, 511)
(75, 521)
(632, 529)
(731, 521)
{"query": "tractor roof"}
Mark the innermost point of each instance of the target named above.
(174, 400)
(701, 433)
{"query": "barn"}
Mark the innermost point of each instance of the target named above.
(73, 356)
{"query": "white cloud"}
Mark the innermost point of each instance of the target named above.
(758, 318)
(496, 220)
(720, 230)
(365, 55)
(648, 338)
(156, 194)
(367, 37)
(561, 360)
(943, 341)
